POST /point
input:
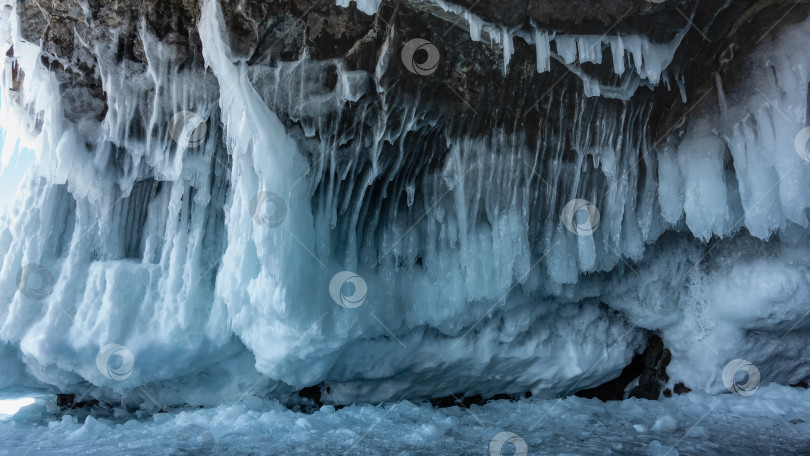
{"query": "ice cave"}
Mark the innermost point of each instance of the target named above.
(405, 227)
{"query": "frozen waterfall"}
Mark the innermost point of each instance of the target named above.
(201, 223)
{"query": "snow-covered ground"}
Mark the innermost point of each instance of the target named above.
(774, 420)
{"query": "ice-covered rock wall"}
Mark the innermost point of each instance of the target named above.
(242, 225)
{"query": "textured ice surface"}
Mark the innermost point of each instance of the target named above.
(473, 281)
(773, 421)
(367, 6)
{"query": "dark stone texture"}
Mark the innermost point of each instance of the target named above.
(613, 390)
(680, 388)
(650, 369)
(65, 400)
(68, 401)
(464, 401)
(469, 76)
(654, 372)
(506, 12)
(312, 393)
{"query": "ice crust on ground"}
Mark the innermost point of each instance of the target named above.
(773, 421)
(474, 284)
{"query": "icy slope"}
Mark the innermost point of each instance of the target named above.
(207, 249)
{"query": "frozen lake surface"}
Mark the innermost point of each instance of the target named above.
(774, 420)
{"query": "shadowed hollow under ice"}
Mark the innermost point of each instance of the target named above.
(473, 282)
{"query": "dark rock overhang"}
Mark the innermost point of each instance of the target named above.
(74, 38)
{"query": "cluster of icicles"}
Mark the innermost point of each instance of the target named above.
(468, 266)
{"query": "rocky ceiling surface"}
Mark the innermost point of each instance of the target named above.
(76, 35)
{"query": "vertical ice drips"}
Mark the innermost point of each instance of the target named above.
(188, 256)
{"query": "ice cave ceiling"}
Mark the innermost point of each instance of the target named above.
(430, 148)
